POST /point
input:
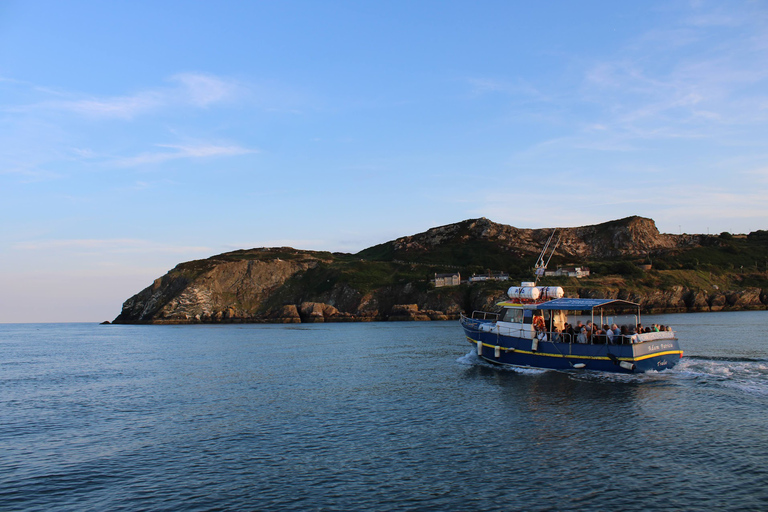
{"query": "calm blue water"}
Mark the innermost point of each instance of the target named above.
(378, 416)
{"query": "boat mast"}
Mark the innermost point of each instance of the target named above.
(541, 264)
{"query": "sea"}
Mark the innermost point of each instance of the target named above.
(375, 417)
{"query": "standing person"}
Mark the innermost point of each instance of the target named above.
(591, 331)
(608, 334)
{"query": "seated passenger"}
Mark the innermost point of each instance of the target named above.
(624, 334)
(608, 334)
(598, 336)
(556, 337)
(582, 337)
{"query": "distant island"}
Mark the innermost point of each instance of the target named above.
(406, 279)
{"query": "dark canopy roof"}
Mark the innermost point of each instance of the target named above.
(583, 304)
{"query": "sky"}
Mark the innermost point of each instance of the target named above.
(135, 135)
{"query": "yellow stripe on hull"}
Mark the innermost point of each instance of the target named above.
(572, 356)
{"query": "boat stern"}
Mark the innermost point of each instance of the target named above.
(656, 353)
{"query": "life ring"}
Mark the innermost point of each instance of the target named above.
(538, 323)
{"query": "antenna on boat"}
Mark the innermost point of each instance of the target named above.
(541, 264)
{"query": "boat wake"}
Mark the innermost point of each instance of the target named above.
(746, 374)
(728, 359)
(471, 359)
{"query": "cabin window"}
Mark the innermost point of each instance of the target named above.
(513, 315)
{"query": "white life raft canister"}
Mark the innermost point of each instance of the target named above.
(529, 291)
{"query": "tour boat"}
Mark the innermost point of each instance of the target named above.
(528, 332)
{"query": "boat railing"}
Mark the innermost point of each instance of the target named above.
(485, 315)
(478, 320)
(602, 339)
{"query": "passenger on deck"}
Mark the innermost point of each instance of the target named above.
(569, 334)
(624, 334)
(590, 332)
(556, 337)
(608, 334)
(582, 337)
(597, 334)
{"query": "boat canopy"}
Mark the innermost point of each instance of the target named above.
(584, 304)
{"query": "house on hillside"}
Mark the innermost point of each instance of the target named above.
(447, 280)
(577, 272)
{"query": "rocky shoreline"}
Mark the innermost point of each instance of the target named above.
(677, 300)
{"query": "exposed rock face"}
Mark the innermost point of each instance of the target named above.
(633, 236)
(227, 291)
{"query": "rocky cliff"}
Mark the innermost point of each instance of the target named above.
(632, 236)
(391, 281)
(215, 290)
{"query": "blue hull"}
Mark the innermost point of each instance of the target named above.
(636, 358)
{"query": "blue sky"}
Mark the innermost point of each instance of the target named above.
(136, 135)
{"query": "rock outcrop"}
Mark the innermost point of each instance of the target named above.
(215, 291)
(633, 236)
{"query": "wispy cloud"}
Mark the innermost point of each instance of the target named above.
(175, 152)
(30, 174)
(203, 90)
(187, 89)
(686, 80)
(107, 245)
(122, 107)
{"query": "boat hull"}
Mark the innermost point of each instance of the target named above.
(655, 355)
